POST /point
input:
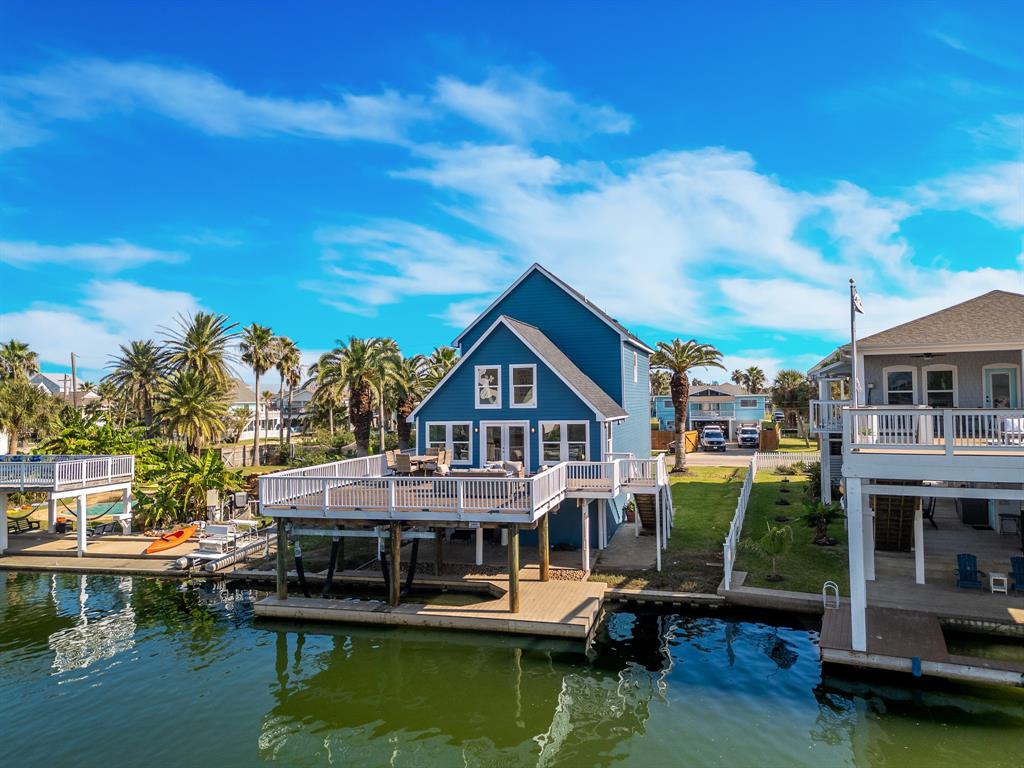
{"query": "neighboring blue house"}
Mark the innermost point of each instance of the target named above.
(544, 376)
(726, 405)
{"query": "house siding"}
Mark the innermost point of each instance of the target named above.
(456, 399)
(634, 434)
(969, 365)
(583, 336)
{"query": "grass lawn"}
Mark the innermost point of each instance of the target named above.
(806, 566)
(796, 445)
(704, 500)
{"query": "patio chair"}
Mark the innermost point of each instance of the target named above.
(967, 574)
(403, 464)
(928, 513)
(432, 451)
(389, 460)
(442, 470)
(442, 458)
(1017, 573)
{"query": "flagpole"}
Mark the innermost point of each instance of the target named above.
(853, 345)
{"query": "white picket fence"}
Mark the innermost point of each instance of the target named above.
(767, 460)
(732, 540)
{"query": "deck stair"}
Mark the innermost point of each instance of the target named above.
(894, 522)
(645, 508)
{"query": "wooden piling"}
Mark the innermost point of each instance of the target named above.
(395, 543)
(545, 549)
(513, 568)
(282, 558)
(438, 550)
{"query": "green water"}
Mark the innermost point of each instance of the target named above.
(107, 671)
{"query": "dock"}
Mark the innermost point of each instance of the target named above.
(911, 642)
(566, 609)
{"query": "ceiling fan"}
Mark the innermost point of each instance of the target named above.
(930, 355)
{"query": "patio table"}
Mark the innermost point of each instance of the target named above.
(998, 582)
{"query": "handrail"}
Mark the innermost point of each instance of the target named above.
(732, 539)
(62, 471)
(937, 430)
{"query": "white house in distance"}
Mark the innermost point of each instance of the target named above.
(60, 385)
(931, 460)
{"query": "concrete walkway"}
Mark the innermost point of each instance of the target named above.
(628, 552)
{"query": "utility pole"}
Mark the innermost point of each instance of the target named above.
(74, 382)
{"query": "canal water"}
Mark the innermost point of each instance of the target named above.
(109, 671)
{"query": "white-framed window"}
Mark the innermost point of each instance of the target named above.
(940, 386)
(487, 385)
(523, 385)
(563, 441)
(748, 402)
(900, 384)
(452, 436)
(636, 367)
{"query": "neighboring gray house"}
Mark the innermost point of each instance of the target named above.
(59, 385)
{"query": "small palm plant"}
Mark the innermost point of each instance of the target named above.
(772, 545)
(820, 516)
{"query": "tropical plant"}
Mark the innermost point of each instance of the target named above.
(328, 393)
(192, 476)
(288, 360)
(235, 422)
(679, 358)
(201, 344)
(292, 379)
(820, 516)
(738, 377)
(791, 389)
(136, 373)
(438, 364)
(772, 545)
(24, 410)
(386, 359)
(754, 379)
(17, 360)
(192, 407)
(259, 350)
(410, 385)
(661, 383)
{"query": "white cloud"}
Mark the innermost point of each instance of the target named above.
(113, 256)
(521, 109)
(995, 192)
(112, 313)
(85, 88)
(765, 359)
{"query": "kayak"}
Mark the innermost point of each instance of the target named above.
(171, 540)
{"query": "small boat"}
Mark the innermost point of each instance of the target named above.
(172, 539)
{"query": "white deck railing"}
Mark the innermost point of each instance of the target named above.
(62, 472)
(732, 540)
(827, 415)
(364, 486)
(935, 430)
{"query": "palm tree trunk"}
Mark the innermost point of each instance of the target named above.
(256, 435)
(680, 398)
(330, 419)
(380, 445)
(291, 389)
(280, 415)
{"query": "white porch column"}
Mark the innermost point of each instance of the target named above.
(824, 448)
(479, 546)
(919, 545)
(126, 502)
(82, 523)
(585, 544)
(51, 514)
(636, 518)
(858, 586)
(3, 523)
(657, 530)
(869, 539)
(602, 523)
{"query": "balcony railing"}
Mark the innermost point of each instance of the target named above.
(935, 430)
(827, 415)
(62, 472)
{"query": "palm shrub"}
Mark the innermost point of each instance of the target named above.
(260, 350)
(25, 410)
(772, 545)
(820, 516)
(192, 407)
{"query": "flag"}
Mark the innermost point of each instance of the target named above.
(856, 302)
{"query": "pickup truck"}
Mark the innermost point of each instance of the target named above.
(748, 437)
(712, 439)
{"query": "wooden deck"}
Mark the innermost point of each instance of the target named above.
(897, 637)
(561, 609)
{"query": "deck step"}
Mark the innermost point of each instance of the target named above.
(646, 508)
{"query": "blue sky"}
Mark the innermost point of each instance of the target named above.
(386, 169)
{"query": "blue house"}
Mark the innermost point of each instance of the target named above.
(544, 376)
(725, 405)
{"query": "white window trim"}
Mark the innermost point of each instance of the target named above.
(940, 367)
(563, 448)
(901, 369)
(448, 442)
(512, 385)
(476, 387)
(1000, 366)
(636, 366)
(739, 402)
(511, 423)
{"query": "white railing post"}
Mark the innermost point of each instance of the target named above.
(949, 431)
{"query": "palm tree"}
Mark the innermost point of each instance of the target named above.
(259, 352)
(292, 378)
(192, 407)
(738, 377)
(754, 379)
(386, 359)
(660, 382)
(136, 374)
(288, 358)
(679, 358)
(409, 386)
(24, 409)
(438, 363)
(17, 360)
(329, 391)
(202, 344)
(354, 368)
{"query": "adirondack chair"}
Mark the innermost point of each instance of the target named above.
(1017, 571)
(967, 574)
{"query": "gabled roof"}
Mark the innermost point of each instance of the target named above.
(996, 317)
(733, 390)
(241, 392)
(555, 359)
(623, 332)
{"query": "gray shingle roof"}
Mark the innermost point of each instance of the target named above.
(728, 388)
(992, 318)
(557, 360)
